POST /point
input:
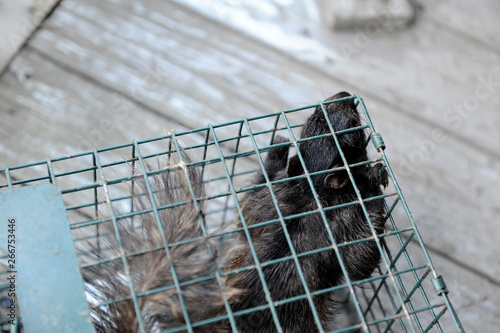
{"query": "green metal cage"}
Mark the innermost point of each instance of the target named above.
(405, 294)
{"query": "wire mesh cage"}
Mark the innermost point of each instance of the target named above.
(218, 172)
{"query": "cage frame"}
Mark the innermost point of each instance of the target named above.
(387, 272)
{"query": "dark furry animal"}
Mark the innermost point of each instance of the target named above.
(320, 270)
(243, 290)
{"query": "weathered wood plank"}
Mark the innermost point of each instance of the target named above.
(18, 20)
(479, 22)
(169, 60)
(435, 77)
(50, 112)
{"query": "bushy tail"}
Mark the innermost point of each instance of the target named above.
(151, 269)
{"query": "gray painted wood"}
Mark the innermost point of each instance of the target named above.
(18, 20)
(434, 76)
(62, 113)
(173, 68)
(470, 20)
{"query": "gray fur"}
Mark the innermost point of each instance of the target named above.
(161, 310)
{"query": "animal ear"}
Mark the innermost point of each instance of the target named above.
(384, 179)
(336, 179)
(382, 175)
(294, 167)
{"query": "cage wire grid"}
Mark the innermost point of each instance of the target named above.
(405, 294)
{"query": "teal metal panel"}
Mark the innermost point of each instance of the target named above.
(49, 287)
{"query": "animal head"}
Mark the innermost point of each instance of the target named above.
(323, 153)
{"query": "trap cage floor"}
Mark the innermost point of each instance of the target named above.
(405, 293)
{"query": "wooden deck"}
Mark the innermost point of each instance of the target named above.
(98, 73)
